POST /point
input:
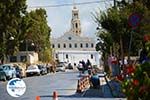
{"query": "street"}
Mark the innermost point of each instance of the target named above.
(65, 83)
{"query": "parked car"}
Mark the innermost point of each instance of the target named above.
(60, 67)
(70, 66)
(33, 70)
(19, 73)
(2, 74)
(9, 70)
(43, 69)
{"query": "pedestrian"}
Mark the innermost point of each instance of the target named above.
(84, 66)
(89, 67)
(109, 64)
(143, 55)
(88, 64)
(114, 66)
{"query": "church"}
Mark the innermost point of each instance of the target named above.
(71, 47)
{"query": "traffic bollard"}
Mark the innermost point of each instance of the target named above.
(55, 95)
(37, 97)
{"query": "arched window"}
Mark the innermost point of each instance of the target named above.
(92, 45)
(58, 45)
(91, 56)
(76, 25)
(53, 46)
(87, 45)
(75, 45)
(70, 46)
(66, 56)
(81, 45)
(64, 45)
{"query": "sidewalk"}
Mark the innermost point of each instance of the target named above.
(107, 89)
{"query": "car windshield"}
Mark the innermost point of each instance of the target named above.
(7, 67)
(31, 67)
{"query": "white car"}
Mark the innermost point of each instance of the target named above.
(60, 67)
(32, 70)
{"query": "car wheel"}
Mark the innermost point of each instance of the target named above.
(13, 76)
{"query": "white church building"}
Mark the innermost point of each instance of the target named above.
(72, 47)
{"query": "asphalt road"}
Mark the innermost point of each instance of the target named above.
(64, 83)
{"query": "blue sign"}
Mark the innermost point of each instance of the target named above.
(134, 20)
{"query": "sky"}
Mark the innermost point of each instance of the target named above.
(59, 18)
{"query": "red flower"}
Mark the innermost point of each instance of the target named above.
(130, 69)
(147, 37)
(114, 62)
(120, 77)
(136, 82)
(143, 89)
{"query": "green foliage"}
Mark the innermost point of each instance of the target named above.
(23, 26)
(11, 12)
(38, 32)
(115, 23)
(38, 29)
(137, 85)
(46, 55)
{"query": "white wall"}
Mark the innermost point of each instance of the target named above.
(76, 56)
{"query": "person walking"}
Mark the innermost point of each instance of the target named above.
(89, 67)
(84, 66)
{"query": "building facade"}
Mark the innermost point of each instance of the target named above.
(72, 47)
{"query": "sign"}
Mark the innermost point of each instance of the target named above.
(134, 20)
(16, 87)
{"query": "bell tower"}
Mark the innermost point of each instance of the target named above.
(75, 21)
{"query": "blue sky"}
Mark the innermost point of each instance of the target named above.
(59, 18)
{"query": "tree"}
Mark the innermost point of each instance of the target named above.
(11, 12)
(37, 30)
(115, 23)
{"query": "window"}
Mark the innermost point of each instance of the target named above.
(56, 55)
(70, 46)
(58, 45)
(53, 46)
(64, 45)
(81, 45)
(87, 45)
(23, 58)
(66, 56)
(91, 56)
(13, 59)
(69, 38)
(92, 45)
(76, 25)
(75, 45)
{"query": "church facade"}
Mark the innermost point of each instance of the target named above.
(71, 47)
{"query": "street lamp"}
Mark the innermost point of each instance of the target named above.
(4, 45)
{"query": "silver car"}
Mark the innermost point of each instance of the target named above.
(33, 70)
(2, 74)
